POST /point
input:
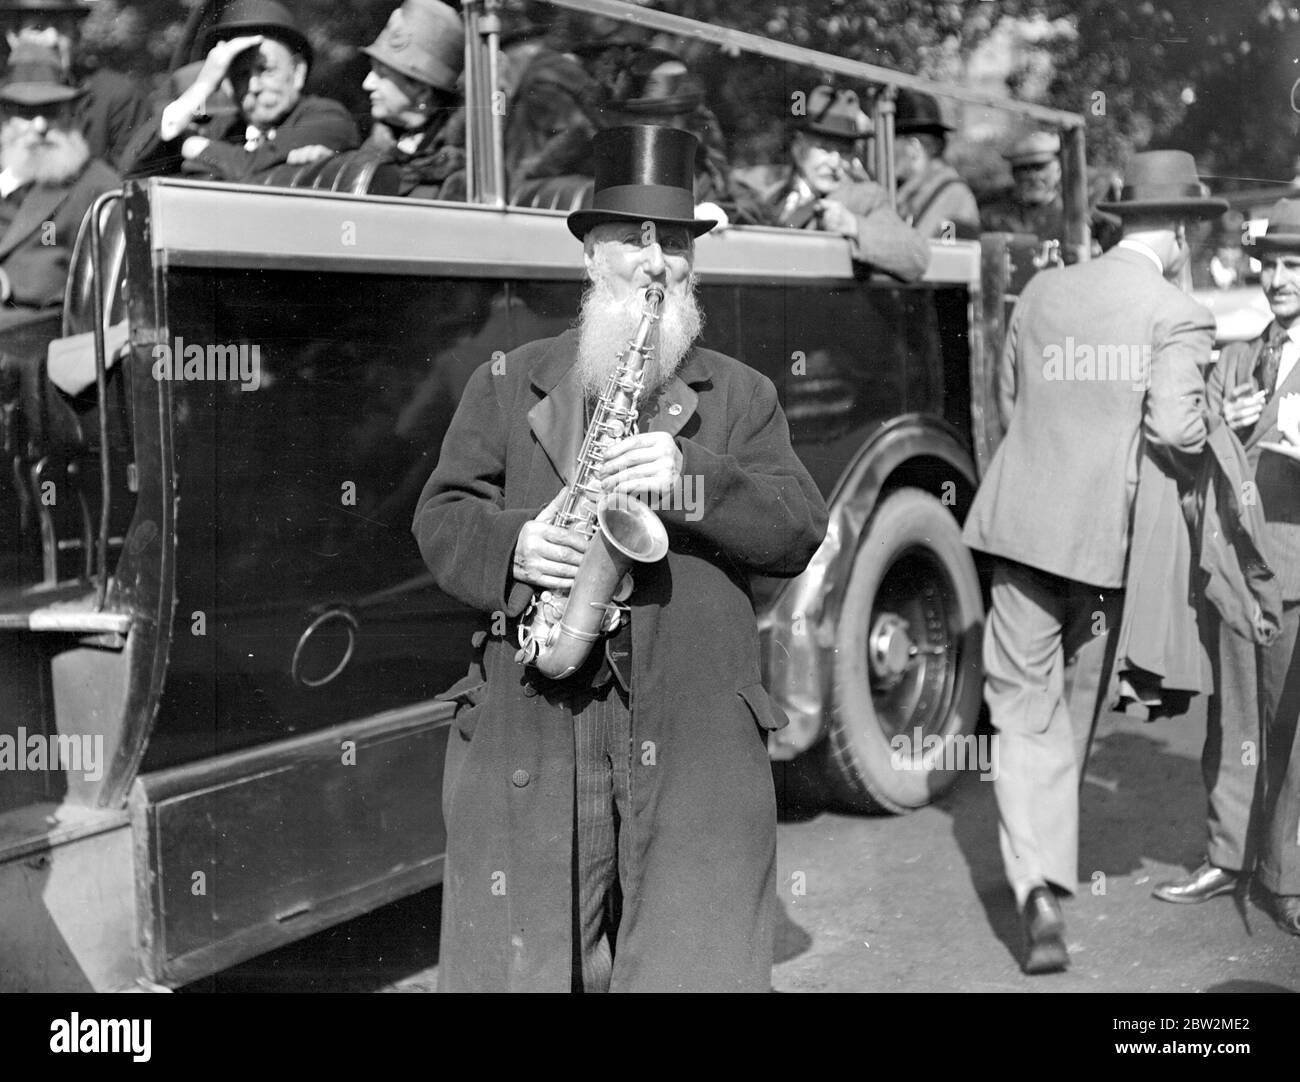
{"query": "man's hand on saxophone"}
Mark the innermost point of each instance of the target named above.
(547, 556)
(647, 464)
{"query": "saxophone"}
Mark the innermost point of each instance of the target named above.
(557, 631)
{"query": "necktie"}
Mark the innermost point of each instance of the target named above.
(1266, 368)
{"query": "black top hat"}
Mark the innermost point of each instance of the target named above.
(1164, 181)
(643, 173)
(35, 77)
(1283, 232)
(916, 113)
(259, 17)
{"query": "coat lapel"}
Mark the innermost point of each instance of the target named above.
(37, 207)
(557, 420)
(1267, 422)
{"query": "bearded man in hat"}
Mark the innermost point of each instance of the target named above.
(616, 829)
(932, 198)
(1257, 698)
(1054, 511)
(112, 107)
(258, 56)
(1035, 205)
(819, 191)
(48, 181)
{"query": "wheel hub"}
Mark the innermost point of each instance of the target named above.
(890, 647)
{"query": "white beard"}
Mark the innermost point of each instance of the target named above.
(56, 159)
(607, 325)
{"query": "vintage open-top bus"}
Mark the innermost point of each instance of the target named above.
(208, 587)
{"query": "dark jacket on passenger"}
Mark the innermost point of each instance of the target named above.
(699, 900)
(434, 168)
(312, 120)
(36, 246)
(110, 112)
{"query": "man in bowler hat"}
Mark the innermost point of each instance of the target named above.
(1054, 512)
(1257, 699)
(932, 198)
(260, 57)
(616, 830)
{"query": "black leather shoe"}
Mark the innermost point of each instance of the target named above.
(1044, 929)
(1208, 881)
(1286, 912)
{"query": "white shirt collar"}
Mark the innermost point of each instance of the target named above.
(1138, 246)
(8, 183)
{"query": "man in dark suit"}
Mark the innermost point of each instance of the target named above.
(817, 190)
(589, 845)
(258, 51)
(1258, 694)
(48, 181)
(1096, 356)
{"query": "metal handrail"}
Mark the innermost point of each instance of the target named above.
(101, 391)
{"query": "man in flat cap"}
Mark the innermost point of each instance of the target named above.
(1055, 508)
(257, 54)
(817, 190)
(615, 829)
(1036, 204)
(1255, 388)
(932, 198)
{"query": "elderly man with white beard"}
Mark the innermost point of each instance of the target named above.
(616, 829)
(48, 181)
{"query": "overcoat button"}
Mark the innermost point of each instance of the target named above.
(675, 409)
(529, 691)
(520, 778)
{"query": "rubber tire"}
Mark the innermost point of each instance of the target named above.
(856, 752)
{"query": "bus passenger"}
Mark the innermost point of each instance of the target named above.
(818, 191)
(1035, 205)
(48, 181)
(932, 198)
(259, 51)
(112, 106)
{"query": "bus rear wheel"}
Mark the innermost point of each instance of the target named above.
(907, 659)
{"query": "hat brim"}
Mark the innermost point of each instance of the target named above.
(30, 94)
(580, 221)
(1276, 243)
(294, 38)
(1189, 207)
(931, 128)
(377, 52)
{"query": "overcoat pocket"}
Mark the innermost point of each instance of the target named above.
(766, 713)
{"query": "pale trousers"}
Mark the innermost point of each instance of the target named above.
(1048, 656)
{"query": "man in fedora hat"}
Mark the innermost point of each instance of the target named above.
(1258, 692)
(112, 106)
(1035, 205)
(48, 181)
(259, 56)
(817, 190)
(616, 829)
(1054, 511)
(932, 198)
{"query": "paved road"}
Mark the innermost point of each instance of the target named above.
(917, 903)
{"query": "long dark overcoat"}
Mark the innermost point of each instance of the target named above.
(699, 900)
